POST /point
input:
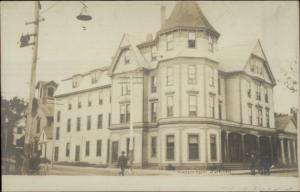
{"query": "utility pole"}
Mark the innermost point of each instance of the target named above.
(28, 133)
(131, 124)
(131, 83)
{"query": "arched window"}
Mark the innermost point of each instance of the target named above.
(50, 92)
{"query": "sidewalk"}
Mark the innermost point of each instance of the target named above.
(77, 170)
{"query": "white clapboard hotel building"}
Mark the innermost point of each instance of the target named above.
(194, 103)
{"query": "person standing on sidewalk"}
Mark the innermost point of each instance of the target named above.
(252, 164)
(122, 163)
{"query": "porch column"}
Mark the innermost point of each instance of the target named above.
(243, 146)
(271, 147)
(289, 152)
(258, 145)
(282, 151)
(295, 152)
(227, 147)
(45, 150)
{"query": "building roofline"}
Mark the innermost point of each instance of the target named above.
(83, 90)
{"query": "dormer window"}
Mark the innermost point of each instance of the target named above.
(192, 40)
(94, 77)
(170, 39)
(210, 43)
(75, 82)
(127, 56)
(154, 53)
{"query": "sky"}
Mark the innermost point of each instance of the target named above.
(66, 49)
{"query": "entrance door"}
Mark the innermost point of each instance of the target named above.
(77, 153)
(114, 151)
(56, 154)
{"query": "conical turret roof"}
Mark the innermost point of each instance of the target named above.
(187, 14)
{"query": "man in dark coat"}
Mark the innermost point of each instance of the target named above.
(123, 163)
(252, 164)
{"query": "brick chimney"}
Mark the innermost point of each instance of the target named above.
(162, 15)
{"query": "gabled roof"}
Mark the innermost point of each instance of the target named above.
(282, 121)
(188, 14)
(140, 59)
(43, 83)
(235, 57)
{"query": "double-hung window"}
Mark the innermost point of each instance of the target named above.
(78, 126)
(212, 105)
(250, 119)
(67, 149)
(170, 106)
(127, 56)
(153, 111)
(89, 122)
(69, 125)
(170, 156)
(249, 89)
(154, 53)
(267, 117)
(193, 141)
(153, 147)
(100, 99)
(213, 147)
(153, 84)
(169, 76)
(266, 95)
(193, 105)
(170, 39)
(192, 40)
(259, 116)
(125, 87)
(100, 123)
(99, 148)
(211, 76)
(89, 99)
(192, 74)
(79, 102)
(87, 148)
(258, 91)
(124, 113)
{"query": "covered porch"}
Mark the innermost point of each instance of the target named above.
(238, 145)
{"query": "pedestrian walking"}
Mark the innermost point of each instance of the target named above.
(19, 162)
(122, 163)
(268, 165)
(252, 164)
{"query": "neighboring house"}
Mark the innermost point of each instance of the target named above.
(19, 132)
(287, 134)
(194, 103)
(43, 120)
(82, 117)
